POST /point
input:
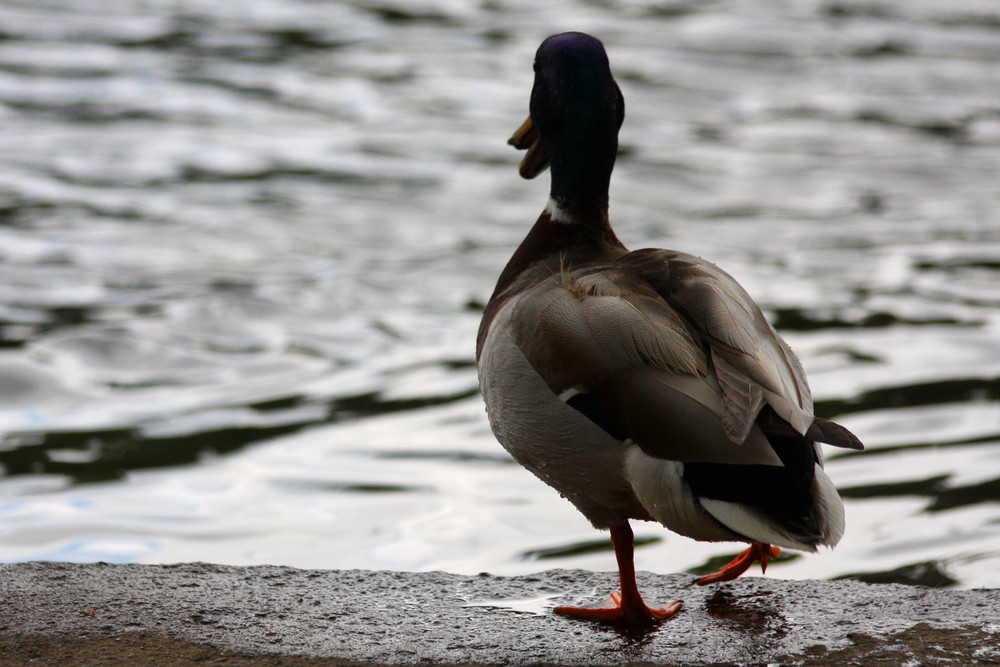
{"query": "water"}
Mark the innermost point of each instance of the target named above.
(244, 249)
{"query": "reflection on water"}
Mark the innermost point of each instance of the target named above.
(244, 248)
(581, 548)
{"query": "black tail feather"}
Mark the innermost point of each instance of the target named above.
(783, 492)
(832, 433)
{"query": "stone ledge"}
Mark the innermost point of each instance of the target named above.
(200, 613)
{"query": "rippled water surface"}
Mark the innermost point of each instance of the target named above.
(244, 248)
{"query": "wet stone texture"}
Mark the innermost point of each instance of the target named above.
(438, 618)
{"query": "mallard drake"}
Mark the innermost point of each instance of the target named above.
(642, 385)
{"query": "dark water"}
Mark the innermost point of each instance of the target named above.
(244, 247)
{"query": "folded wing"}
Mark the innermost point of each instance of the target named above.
(669, 351)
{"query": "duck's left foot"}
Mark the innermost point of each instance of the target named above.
(758, 551)
(634, 614)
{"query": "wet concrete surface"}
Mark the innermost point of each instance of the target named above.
(370, 617)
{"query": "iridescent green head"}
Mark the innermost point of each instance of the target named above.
(576, 111)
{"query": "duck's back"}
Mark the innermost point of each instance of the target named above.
(650, 374)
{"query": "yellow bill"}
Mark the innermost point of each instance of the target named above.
(536, 160)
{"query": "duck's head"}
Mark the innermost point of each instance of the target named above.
(576, 111)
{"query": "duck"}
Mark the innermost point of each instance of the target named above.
(642, 385)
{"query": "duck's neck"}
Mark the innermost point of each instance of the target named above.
(574, 225)
(581, 177)
(564, 215)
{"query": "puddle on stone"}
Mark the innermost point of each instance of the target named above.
(539, 606)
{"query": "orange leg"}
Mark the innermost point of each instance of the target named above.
(758, 551)
(628, 605)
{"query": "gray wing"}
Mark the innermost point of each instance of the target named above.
(753, 364)
(668, 350)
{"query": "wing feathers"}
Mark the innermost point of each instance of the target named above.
(586, 331)
(677, 417)
(741, 400)
(669, 350)
(731, 324)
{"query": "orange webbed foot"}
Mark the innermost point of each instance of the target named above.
(636, 613)
(627, 606)
(758, 551)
